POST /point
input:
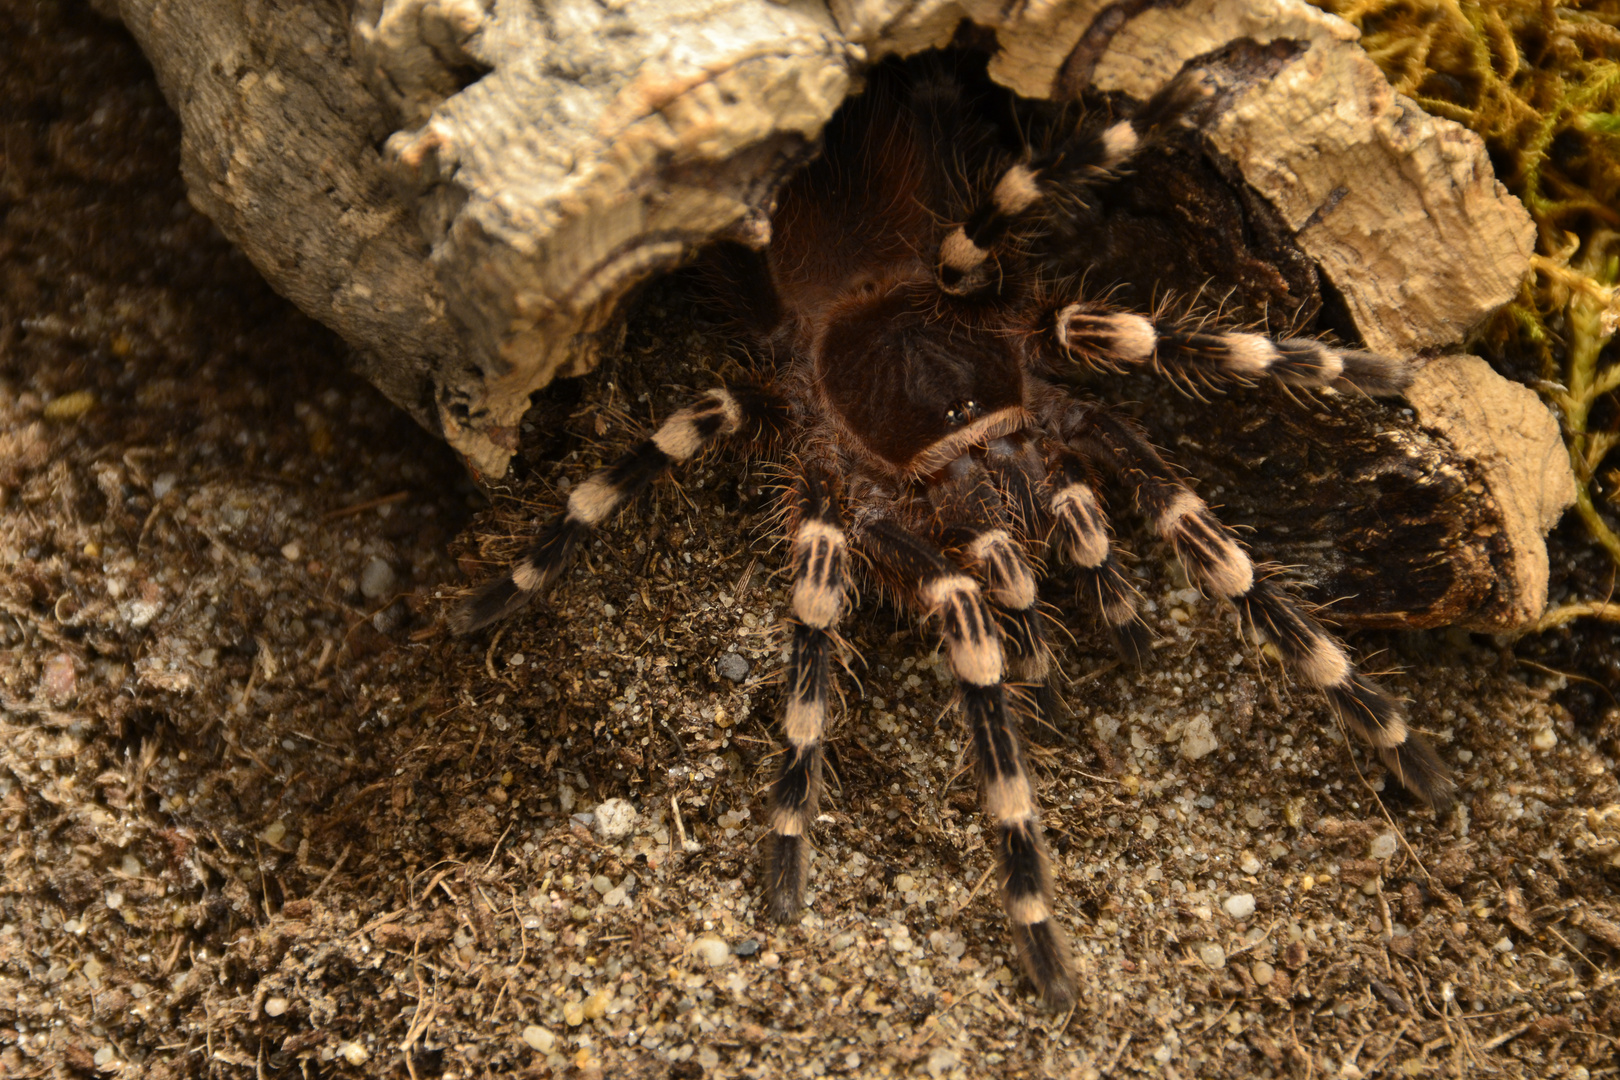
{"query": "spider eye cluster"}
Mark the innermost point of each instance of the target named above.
(963, 412)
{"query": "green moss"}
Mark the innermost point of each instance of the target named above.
(1539, 81)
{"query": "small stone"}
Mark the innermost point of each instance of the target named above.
(539, 1038)
(291, 551)
(104, 1057)
(1198, 738)
(140, 613)
(60, 680)
(574, 1013)
(275, 1006)
(1239, 905)
(746, 948)
(1545, 739)
(164, 484)
(733, 667)
(615, 819)
(71, 406)
(273, 832)
(712, 950)
(596, 1006)
(354, 1053)
(602, 884)
(1294, 813)
(1263, 973)
(1212, 955)
(1504, 944)
(376, 578)
(1383, 846)
(1248, 863)
(115, 899)
(942, 1060)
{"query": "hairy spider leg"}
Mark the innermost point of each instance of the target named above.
(716, 415)
(1016, 465)
(820, 560)
(953, 599)
(1360, 702)
(1112, 339)
(977, 525)
(1086, 156)
(1016, 470)
(1081, 536)
(1217, 563)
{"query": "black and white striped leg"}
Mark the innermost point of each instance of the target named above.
(820, 571)
(1217, 563)
(716, 415)
(1106, 337)
(1009, 582)
(1081, 536)
(967, 252)
(1364, 706)
(990, 534)
(987, 512)
(953, 600)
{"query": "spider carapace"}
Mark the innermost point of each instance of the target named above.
(914, 330)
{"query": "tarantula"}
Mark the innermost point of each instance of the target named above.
(913, 325)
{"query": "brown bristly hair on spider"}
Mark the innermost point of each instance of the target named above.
(914, 337)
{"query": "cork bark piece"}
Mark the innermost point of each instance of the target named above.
(1505, 429)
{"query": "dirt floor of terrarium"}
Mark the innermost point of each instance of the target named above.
(260, 815)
